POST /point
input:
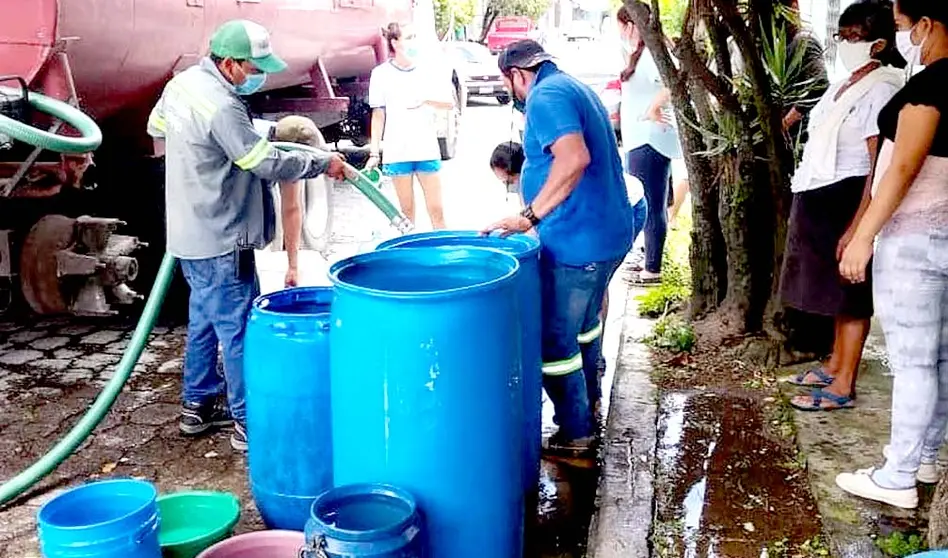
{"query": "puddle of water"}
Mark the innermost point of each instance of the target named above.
(723, 487)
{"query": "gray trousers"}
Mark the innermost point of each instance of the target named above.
(911, 297)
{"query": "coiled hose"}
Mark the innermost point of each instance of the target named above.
(91, 135)
(123, 370)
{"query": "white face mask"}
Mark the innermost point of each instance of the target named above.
(911, 52)
(855, 55)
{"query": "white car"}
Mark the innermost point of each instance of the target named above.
(481, 74)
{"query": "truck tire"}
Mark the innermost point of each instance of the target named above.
(449, 144)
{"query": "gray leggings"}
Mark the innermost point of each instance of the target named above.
(911, 297)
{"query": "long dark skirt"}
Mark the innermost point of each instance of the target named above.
(810, 279)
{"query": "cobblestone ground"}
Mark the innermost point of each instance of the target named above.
(52, 370)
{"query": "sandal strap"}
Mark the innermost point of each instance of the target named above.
(819, 396)
(822, 375)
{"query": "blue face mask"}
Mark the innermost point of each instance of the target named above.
(411, 52)
(252, 84)
(519, 106)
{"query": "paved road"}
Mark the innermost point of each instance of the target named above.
(51, 370)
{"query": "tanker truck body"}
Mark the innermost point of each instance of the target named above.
(60, 215)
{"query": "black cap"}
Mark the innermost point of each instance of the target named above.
(523, 55)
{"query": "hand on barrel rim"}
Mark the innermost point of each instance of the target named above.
(509, 225)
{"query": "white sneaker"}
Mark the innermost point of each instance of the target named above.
(927, 472)
(861, 484)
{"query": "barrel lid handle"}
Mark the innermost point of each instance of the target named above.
(318, 548)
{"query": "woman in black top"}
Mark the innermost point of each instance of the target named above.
(909, 214)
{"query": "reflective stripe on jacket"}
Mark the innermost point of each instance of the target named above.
(218, 168)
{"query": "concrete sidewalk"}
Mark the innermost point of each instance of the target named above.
(622, 524)
(846, 440)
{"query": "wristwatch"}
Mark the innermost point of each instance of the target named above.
(529, 215)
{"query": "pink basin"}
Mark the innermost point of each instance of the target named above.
(261, 544)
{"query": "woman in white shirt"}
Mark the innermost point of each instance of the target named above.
(831, 192)
(649, 139)
(404, 95)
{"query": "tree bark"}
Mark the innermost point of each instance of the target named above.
(740, 195)
(938, 517)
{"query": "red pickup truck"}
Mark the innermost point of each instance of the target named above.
(506, 30)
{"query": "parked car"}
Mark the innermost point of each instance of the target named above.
(479, 67)
(506, 30)
(581, 31)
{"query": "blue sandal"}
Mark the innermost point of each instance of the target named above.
(818, 396)
(825, 379)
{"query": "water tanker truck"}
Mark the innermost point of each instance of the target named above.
(83, 233)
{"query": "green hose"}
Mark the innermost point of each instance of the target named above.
(91, 135)
(100, 408)
(368, 185)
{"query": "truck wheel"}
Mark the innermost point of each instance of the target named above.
(503, 99)
(317, 196)
(449, 144)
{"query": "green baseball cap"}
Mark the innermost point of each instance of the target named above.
(241, 39)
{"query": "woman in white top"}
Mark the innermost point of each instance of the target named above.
(404, 95)
(830, 194)
(649, 139)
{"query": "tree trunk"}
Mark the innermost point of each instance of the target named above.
(938, 517)
(489, 16)
(735, 203)
(740, 194)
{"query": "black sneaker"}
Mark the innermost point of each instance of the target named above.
(197, 418)
(238, 440)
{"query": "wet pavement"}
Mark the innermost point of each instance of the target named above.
(51, 371)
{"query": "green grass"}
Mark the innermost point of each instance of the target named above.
(899, 544)
(672, 333)
(676, 271)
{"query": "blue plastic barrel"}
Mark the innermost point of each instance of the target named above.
(931, 554)
(286, 373)
(527, 251)
(104, 519)
(364, 521)
(425, 381)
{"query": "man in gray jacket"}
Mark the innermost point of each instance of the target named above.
(218, 174)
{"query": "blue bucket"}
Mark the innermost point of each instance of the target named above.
(364, 521)
(527, 251)
(105, 519)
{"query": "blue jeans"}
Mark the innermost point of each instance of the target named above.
(654, 170)
(222, 291)
(572, 340)
(639, 215)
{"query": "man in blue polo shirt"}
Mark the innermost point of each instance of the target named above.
(576, 198)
